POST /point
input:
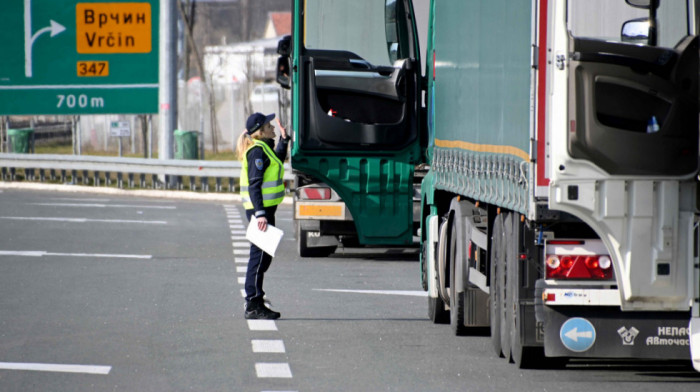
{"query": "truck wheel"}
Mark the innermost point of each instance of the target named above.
(504, 312)
(521, 357)
(310, 251)
(436, 306)
(494, 291)
(455, 257)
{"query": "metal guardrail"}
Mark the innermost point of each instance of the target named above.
(83, 168)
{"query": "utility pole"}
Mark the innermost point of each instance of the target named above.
(167, 78)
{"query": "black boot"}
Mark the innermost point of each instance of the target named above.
(255, 310)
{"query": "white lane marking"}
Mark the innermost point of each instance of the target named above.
(237, 231)
(236, 221)
(82, 220)
(243, 293)
(237, 227)
(262, 325)
(241, 251)
(241, 260)
(40, 253)
(241, 244)
(49, 367)
(237, 237)
(273, 370)
(79, 199)
(241, 280)
(268, 346)
(102, 205)
(241, 269)
(410, 293)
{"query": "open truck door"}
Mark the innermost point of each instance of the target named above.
(355, 78)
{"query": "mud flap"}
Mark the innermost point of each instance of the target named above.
(607, 332)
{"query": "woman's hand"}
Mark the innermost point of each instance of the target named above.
(262, 223)
(283, 131)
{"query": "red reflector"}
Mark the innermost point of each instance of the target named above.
(566, 242)
(315, 193)
(523, 256)
(433, 65)
(550, 297)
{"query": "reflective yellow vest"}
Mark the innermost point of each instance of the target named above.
(273, 184)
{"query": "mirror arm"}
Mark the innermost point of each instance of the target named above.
(652, 22)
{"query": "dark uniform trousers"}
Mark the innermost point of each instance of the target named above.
(258, 263)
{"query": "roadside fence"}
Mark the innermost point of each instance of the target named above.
(204, 176)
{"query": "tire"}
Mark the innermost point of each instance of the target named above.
(494, 291)
(455, 254)
(503, 312)
(436, 306)
(305, 250)
(521, 357)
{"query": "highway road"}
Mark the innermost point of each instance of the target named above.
(112, 293)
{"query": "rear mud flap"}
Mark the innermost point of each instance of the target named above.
(606, 332)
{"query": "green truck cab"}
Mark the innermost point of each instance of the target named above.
(356, 117)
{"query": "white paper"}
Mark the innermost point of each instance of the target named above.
(267, 240)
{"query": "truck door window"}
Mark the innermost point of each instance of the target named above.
(603, 19)
(633, 86)
(366, 29)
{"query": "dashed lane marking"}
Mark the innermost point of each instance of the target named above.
(242, 269)
(241, 244)
(262, 325)
(241, 280)
(242, 260)
(42, 253)
(237, 231)
(241, 251)
(268, 346)
(50, 367)
(410, 293)
(273, 370)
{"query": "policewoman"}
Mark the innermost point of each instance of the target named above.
(262, 190)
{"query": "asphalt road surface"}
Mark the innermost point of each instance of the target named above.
(105, 293)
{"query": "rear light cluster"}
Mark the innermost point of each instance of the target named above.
(579, 267)
(315, 193)
(577, 260)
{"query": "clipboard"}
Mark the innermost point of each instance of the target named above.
(267, 240)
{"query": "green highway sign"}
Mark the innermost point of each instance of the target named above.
(79, 57)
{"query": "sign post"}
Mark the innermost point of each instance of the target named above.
(79, 57)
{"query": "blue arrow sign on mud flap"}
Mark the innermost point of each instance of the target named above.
(577, 334)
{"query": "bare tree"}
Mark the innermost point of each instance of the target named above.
(208, 83)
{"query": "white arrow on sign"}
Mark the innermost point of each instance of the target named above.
(574, 334)
(29, 38)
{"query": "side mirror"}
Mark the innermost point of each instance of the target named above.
(284, 46)
(636, 31)
(391, 27)
(283, 72)
(645, 4)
